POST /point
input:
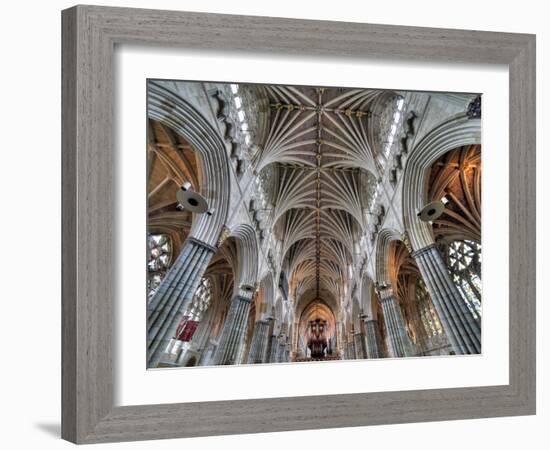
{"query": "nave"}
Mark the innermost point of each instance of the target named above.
(297, 224)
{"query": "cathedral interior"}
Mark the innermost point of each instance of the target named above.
(296, 224)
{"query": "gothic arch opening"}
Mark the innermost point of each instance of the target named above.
(456, 178)
(421, 319)
(171, 161)
(201, 322)
(317, 338)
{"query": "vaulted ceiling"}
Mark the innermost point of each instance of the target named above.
(322, 157)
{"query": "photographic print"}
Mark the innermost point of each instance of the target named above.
(296, 224)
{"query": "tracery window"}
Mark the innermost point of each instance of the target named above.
(464, 262)
(159, 258)
(426, 309)
(201, 300)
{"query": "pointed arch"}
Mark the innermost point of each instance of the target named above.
(385, 237)
(247, 260)
(367, 297)
(172, 110)
(267, 292)
(456, 132)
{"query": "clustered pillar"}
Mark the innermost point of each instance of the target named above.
(400, 344)
(461, 328)
(234, 330)
(360, 347)
(373, 344)
(174, 294)
(258, 346)
(273, 347)
(350, 349)
(280, 351)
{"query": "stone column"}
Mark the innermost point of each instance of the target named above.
(351, 349)
(173, 296)
(461, 328)
(273, 346)
(294, 344)
(373, 344)
(233, 331)
(208, 353)
(360, 347)
(258, 346)
(267, 355)
(400, 344)
(339, 340)
(343, 351)
(280, 352)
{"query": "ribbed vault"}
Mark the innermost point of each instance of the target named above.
(318, 144)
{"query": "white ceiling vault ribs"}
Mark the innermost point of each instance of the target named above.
(298, 224)
(350, 141)
(301, 251)
(318, 139)
(318, 158)
(336, 260)
(293, 190)
(342, 191)
(287, 138)
(339, 226)
(305, 279)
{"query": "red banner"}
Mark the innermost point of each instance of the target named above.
(186, 329)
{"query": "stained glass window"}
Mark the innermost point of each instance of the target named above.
(159, 258)
(464, 262)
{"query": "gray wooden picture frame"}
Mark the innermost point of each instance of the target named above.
(90, 34)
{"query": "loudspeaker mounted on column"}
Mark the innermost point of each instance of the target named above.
(247, 287)
(191, 200)
(431, 211)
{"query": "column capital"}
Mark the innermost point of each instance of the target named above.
(385, 293)
(246, 291)
(423, 250)
(241, 298)
(202, 244)
(263, 321)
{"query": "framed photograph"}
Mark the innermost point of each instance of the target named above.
(265, 229)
